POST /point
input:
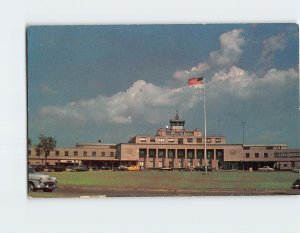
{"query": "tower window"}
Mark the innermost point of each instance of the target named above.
(152, 139)
(143, 139)
(170, 139)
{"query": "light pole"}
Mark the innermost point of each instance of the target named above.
(243, 124)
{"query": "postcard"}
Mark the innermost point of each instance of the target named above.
(163, 110)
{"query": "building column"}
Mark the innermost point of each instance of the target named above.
(175, 160)
(194, 164)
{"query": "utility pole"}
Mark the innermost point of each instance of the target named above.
(243, 124)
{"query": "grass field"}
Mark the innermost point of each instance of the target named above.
(176, 180)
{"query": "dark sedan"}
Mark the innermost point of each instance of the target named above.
(296, 184)
(203, 168)
(79, 169)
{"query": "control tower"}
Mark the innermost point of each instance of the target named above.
(176, 123)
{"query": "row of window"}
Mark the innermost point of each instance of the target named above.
(179, 133)
(181, 141)
(181, 153)
(161, 164)
(75, 153)
(268, 147)
(287, 155)
(256, 155)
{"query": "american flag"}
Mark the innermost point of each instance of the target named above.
(195, 81)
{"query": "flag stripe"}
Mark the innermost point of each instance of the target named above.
(195, 81)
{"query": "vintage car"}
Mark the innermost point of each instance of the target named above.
(266, 169)
(190, 169)
(120, 168)
(79, 169)
(133, 168)
(54, 168)
(105, 168)
(166, 169)
(198, 168)
(69, 168)
(296, 170)
(93, 168)
(126, 168)
(40, 181)
(296, 184)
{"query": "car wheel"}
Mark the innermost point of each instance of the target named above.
(31, 187)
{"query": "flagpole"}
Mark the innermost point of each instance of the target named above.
(204, 108)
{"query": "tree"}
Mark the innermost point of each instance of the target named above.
(45, 146)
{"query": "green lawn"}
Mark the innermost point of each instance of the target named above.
(178, 180)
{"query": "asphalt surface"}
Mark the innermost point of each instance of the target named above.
(126, 192)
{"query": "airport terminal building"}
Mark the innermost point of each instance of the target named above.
(173, 147)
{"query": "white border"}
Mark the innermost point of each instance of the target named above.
(205, 214)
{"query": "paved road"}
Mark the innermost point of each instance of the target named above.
(115, 192)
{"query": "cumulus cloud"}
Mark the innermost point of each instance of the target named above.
(230, 51)
(270, 46)
(148, 102)
(183, 75)
(240, 82)
(273, 44)
(141, 100)
(236, 80)
(229, 54)
(152, 103)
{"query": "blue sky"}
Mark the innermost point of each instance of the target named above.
(112, 82)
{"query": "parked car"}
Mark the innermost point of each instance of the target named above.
(209, 168)
(296, 184)
(190, 169)
(133, 168)
(69, 168)
(122, 168)
(296, 170)
(266, 169)
(93, 168)
(166, 169)
(40, 181)
(105, 168)
(38, 168)
(79, 169)
(54, 168)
